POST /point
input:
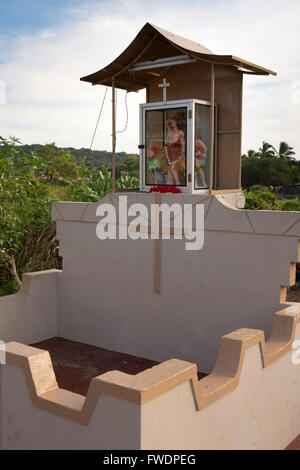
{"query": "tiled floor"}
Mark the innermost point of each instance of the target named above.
(295, 445)
(293, 293)
(75, 364)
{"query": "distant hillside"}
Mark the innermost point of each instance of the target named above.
(93, 158)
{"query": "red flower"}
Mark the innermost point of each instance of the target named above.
(165, 189)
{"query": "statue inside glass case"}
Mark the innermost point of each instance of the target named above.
(175, 151)
(166, 146)
(200, 161)
(202, 134)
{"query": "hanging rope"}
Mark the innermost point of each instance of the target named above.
(126, 107)
(98, 120)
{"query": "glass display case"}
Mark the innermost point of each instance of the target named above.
(175, 145)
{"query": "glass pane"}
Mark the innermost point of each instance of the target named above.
(202, 151)
(166, 147)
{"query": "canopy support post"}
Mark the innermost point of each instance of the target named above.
(212, 128)
(113, 158)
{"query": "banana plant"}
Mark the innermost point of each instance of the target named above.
(126, 181)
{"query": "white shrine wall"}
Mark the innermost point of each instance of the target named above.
(31, 315)
(106, 289)
(250, 401)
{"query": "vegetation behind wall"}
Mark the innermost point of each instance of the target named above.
(32, 176)
(30, 179)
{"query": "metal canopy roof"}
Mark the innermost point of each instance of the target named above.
(154, 43)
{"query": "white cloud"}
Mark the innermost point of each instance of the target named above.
(47, 102)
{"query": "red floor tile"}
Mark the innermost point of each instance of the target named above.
(75, 364)
(295, 445)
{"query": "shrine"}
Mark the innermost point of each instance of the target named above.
(140, 342)
(191, 124)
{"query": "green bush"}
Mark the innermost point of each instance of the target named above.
(8, 286)
(28, 184)
(262, 198)
(290, 205)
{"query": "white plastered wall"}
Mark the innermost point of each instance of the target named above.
(106, 290)
(31, 315)
(263, 412)
(114, 424)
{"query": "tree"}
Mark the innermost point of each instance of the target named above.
(285, 151)
(65, 165)
(270, 167)
(9, 147)
(24, 204)
(266, 151)
(270, 171)
(130, 165)
(250, 154)
(57, 162)
(27, 234)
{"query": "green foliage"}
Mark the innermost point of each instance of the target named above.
(33, 176)
(269, 151)
(290, 205)
(8, 286)
(99, 184)
(93, 188)
(9, 147)
(285, 151)
(92, 158)
(270, 171)
(57, 162)
(266, 151)
(23, 200)
(126, 181)
(130, 165)
(24, 207)
(270, 167)
(30, 178)
(261, 198)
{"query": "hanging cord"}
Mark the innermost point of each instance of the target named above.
(116, 105)
(98, 120)
(114, 134)
(126, 107)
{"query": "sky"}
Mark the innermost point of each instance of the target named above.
(47, 45)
